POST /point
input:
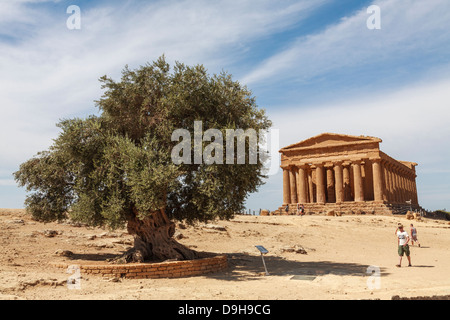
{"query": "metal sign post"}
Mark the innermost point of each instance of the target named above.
(263, 252)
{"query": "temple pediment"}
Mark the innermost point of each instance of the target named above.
(330, 140)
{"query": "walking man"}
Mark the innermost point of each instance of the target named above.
(403, 247)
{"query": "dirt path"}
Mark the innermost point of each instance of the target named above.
(310, 257)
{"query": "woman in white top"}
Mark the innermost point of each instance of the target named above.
(414, 235)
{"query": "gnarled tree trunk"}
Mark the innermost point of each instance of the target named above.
(153, 239)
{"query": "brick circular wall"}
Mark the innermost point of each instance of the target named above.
(171, 269)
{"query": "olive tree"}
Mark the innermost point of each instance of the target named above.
(115, 169)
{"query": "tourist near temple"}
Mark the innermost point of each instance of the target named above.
(346, 174)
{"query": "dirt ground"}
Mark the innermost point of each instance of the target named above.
(310, 257)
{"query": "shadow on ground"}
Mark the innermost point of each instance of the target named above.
(96, 257)
(244, 267)
(249, 267)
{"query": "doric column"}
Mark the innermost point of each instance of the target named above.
(286, 187)
(383, 181)
(408, 187)
(339, 182)
(402, 187)
(377, 180)
(399, 186)
(292, 184)
(320, 185)
(330, 185)
(347, 187)
(367, 180)
(388, 180)
(405, 192)
(397, 194)
(359, 191)
(393, 184)
(301, 185)
(416, 196)
(412, 189)
(310, 186)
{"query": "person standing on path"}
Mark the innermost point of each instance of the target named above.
(300, 209)
(414, 235)
(403, 247)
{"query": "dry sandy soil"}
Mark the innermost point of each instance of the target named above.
(330, 259)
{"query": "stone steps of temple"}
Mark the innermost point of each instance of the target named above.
(368, 207)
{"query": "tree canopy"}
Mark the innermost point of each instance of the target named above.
(104, 170)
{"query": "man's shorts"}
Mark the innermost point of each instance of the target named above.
(403, 250)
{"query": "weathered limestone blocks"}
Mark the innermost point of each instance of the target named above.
(171, 269)
(340, 169)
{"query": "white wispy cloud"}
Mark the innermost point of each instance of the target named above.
(408, 27)
(16, 16)
(412, 122)
(49, 72)
(410, 115)
(7, 182)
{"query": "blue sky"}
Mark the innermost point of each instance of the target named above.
(312, 64)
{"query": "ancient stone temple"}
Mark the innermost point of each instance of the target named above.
(347, 174)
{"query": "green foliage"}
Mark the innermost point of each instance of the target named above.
(444, 213)
(101, 169)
